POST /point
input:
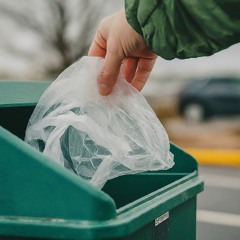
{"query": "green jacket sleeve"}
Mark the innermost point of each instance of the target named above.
(185, 28)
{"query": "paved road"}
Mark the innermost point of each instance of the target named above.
(218, 215)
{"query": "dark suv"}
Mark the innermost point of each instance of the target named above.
(205, 98)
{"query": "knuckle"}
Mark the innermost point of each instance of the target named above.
(144, 69)
(107, 77)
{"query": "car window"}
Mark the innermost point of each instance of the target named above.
(235, 83)
(225, 82)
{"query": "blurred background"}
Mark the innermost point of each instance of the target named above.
(197, 100)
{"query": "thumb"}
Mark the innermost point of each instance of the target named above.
(109, 74)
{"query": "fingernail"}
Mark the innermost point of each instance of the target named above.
(103, 89)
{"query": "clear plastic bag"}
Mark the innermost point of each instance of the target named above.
(96, 137)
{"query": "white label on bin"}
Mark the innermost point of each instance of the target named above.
(161, 218)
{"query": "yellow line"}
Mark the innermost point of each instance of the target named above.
(225, 157)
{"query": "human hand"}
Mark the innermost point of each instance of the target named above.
(118, 43)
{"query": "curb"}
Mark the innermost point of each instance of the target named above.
(226, 157)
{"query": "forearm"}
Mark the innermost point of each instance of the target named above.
(185, 28)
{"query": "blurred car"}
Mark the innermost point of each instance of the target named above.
(202, 99)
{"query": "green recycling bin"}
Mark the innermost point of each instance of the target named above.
(40, 199)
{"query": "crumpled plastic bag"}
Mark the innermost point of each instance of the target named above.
(97, 137)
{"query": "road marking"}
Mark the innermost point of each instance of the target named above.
(218, 218)
(221, 181)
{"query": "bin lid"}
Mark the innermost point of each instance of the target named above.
(24, 93)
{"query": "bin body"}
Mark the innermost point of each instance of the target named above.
(41, 200)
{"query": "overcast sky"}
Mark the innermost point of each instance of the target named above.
(226, 62)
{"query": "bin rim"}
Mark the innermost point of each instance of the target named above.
(129, 218)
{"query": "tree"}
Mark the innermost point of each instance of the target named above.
(64, 28)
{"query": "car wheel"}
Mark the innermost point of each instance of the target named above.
(194, 112)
